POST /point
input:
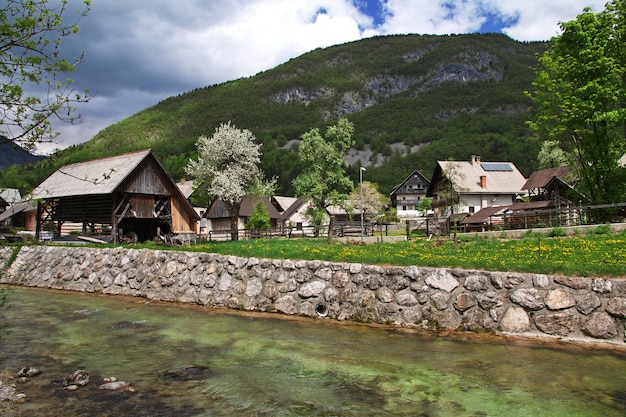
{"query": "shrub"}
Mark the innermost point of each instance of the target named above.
(531, 234)
(604, 229)
(557, 231)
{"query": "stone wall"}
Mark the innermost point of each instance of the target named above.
(535, 304)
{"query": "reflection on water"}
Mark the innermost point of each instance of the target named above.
(194, 361)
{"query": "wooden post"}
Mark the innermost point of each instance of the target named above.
(38, 225)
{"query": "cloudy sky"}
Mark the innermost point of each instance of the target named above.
(139, 52)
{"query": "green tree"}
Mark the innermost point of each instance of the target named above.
(323, 176)
(227, 169)
(390, 216)
(260, 218)
(424, 205)
(31, 32)
(580, 93)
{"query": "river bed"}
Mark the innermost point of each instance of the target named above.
(187, 360)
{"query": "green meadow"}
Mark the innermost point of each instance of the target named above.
(595, 254)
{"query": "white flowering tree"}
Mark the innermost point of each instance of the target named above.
(373, 201)
(227, 169)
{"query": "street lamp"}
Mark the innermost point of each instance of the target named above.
(361, 191)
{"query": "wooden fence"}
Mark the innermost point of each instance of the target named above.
(340, 229)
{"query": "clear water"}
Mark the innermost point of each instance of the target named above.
(243, 364)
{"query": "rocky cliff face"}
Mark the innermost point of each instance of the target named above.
(465, 67)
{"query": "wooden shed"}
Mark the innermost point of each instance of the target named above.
(130, 195)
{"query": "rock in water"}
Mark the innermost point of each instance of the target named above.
(28, 371)
(80, 377)
(196, 372)
(113, 385)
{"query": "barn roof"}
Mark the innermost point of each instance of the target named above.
(219, 209)
(98, 176)
(248, 203)
(483, 215)
(540, 179)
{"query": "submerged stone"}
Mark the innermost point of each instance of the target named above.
(187, 373)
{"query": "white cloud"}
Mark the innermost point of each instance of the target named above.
(432, 17)
(539, 19)
(138, 53)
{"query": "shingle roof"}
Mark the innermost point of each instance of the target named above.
(219, 209)
(483, 215)
(533, 205)
(290, 205)
(414, 173)
(98, 176)
(10, 195)
(248, 203)
(185, 187)
(540, 179)
(501, 177)
(284, 203)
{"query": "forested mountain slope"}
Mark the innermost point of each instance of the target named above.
(413, 100)
(12, 154)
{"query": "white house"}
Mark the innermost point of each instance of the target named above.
(478, 185)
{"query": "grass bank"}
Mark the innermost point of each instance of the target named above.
(597, 254)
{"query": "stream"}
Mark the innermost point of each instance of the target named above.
(189, 360)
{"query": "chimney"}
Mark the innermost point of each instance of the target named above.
(475, 159)
(483, 181)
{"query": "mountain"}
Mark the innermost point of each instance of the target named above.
(413, 99)
(12, 154)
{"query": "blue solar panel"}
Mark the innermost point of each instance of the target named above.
(496, 167)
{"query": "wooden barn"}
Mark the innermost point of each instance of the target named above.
(127, 197)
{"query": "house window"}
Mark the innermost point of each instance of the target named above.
(471, 209)
(403, 208)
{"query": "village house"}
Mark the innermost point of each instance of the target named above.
(477, 184)
(287, 215)
(292, 212)
(21, 215)
(408, 194)
(219, 218)
(126, 197)
(549, 195)
(553, 185)
(8, 196)
(15, 214)
(3, 204)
